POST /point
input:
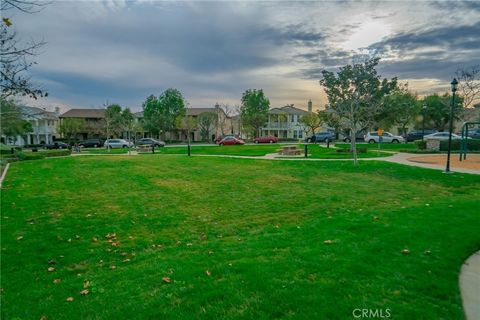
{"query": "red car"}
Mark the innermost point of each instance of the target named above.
(268, 139)
(230, 141)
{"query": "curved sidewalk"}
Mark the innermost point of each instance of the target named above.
(470, 286)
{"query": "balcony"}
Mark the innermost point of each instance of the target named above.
(277, 125)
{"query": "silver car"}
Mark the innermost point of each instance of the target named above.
(117, 143)
(387, 137)
(441, 136)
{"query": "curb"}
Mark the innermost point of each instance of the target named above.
(4, 174)
(470, 286)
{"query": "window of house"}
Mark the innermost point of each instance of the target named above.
(295, 134)
(293, 118)
(300, 134)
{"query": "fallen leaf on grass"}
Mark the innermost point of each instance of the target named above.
(69, 299)
(86, 284)
(189, 244)
(113, 267)
(51, 269)
(126, 260)
(208, 273)
(166, 279)
(84, 292)
(52, 262)
(94, 239)
(328, 241)
(406, 251)
(427, 252)
(19, 238)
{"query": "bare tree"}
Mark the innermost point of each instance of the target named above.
(15, 57)
(469, 84)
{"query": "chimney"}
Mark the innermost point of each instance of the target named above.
(309, 105)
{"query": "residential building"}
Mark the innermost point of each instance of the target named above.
(94, 122)
(44, 125)
(284, 123)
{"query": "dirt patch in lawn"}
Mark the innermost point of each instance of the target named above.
(472, 161)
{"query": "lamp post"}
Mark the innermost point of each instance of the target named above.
(424, 110)
(454, 85)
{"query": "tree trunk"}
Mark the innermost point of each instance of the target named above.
(353, 143)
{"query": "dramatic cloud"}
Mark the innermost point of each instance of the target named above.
(123, 51)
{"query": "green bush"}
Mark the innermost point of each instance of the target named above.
(57, 153)
(421, 144)
(22, 156)
(472, 145)
(8, 149)
(347, 150)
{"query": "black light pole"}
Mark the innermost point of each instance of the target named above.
(454, 85)
(424, 109)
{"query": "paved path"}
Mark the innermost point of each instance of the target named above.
(470, 286)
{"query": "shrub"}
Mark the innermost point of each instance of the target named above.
(472, 145)
(22, 156)
(347, 150)
(57, 153)
(421, 145)
(8, 149)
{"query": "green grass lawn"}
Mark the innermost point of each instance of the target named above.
(171, 237)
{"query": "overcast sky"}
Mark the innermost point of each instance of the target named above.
(123, 51)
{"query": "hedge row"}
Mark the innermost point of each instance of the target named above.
(8, 150)
(22, 156)
(472, 145)
(347, 150)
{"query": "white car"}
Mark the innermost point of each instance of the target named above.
(387, 137)
(117, 143)
(441, 136)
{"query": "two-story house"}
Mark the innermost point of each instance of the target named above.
(94, 120)
(44, 127)
(284, 123)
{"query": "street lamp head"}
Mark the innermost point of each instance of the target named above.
(454, 84)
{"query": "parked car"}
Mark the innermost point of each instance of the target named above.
(218, 139)
(56, 145)
(117, 143)
(387, 137)
(150, 142)
(358, 137)
(91, 143)
(267, 139)
(321, 137)
(230, 140)
(418, 134)
(474, 134)
(441, 136)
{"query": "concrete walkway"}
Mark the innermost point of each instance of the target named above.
(470, 286)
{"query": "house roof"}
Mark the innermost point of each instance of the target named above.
(287, 109)
(38, 113)
(84, 113)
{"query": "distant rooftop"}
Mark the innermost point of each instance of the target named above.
(287, 109)
(84, 113)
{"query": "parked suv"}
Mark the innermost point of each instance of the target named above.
(321, 137)
(387, 137)
(91, 143)
(475, 133)
(418, 134)
(117, 143)
(150, 142)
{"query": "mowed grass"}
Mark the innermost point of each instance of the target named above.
(383, 146)
(237, 239)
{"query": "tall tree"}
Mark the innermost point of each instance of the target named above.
(355, 95)
(400, 108)
(206, 123)
(16, 55)
(113, 120)
(311, 121)
(12, 123)
(469, 84)
(437, 114)
(254, 110)
(331, 119)
(187, 124)
(161, 114)
(128, 122)
(70, 127)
